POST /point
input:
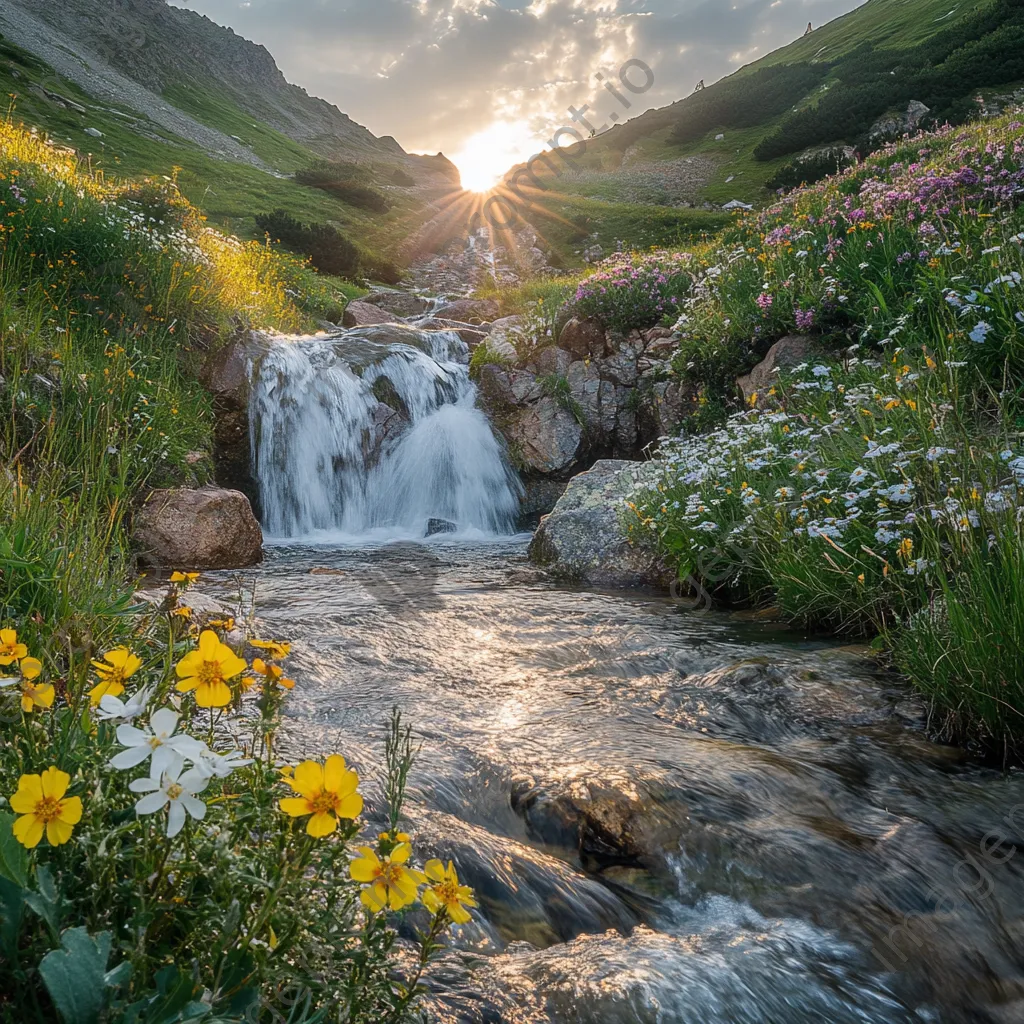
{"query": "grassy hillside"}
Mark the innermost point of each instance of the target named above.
(824, 89)
(230, 193)
(877, 489)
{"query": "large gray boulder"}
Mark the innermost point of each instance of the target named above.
(209, 528)
(585, 537)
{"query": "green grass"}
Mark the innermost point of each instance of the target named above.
(228, 192)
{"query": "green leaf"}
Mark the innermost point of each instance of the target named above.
(878, 644)
(45, 902)
(75, 975)
(12, 906)
(13, 856)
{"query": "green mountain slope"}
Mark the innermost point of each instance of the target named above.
(150, 90)
(847, 85)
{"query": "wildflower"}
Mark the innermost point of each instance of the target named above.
(273, 673)
(175, 791)
(905, 549)
(33, 695)
(980, 332)
(207, 669)
(327, 792)
(859, 475)
(186, 578)
(210, 764)
(113, 709)
(10, 649)
(157, 740)
(917, 567)
(116, 667)
(389, 882)
(41, 802)
(445, 893)
(276, 649)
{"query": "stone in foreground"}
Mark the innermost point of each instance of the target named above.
(209, 528)
(584, 537)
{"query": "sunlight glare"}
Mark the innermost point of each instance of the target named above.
(487, 155)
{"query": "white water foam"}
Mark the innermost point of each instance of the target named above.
(329, 470)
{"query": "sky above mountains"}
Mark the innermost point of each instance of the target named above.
(489, 81)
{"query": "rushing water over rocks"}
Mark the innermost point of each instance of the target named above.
(375, 430)
(669, 818)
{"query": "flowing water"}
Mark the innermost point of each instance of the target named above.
(669, 818)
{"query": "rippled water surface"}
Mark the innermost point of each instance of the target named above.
(668, 817)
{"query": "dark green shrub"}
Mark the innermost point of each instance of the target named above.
(328, 250)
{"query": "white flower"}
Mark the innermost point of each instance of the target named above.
(176, 791)
(918, 566)
(210, 764)
(981, 330)
(820, 371)
(859, 475)
(158, 740)
(113, 709)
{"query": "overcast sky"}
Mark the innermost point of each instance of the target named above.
(436, 73)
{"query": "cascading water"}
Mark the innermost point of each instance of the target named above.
(375, 431)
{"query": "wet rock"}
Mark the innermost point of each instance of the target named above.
(584, 538)
(599, 822)
(469, 310)
(362, 314)
(436, 526)
(225, 376)
(540, 495)
(387, 425)
(209, 528)
(399, 303)
(783, 355)
(583, 339)
(495, 388)
(471, 335)
(545, 437)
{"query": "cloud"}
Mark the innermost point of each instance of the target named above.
(433, 73)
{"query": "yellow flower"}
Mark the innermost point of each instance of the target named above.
(389, 882)
(10, 649)
(227, 624)
(182, 611)
(42, 805)
(188, 578)
(906, 548)
(326, 792)
(274, 673)
(275, 649)
(116, 667)
(207, 669)
(445, 893)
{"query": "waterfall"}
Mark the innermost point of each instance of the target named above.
(374, 432)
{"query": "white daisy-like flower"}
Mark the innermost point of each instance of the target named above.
(859, 475)
(175, 791)
(113, 709)
(212, 765)
(157, 741)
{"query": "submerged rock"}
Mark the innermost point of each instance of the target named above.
(209, 528)
(436, 526)
(585, 538)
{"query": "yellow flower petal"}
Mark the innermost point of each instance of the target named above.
(54, 783)
(57, 832)
(295, 806)
(321, 824)
(30, 792)
(31, 668)
(71, 810)
(308, 779)
(434, 870)
(28, 830)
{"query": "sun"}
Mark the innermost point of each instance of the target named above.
(486, 156)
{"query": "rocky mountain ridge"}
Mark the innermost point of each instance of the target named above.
(160, 47)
